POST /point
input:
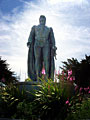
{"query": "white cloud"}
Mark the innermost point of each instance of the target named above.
(77, 2)
(72, 35)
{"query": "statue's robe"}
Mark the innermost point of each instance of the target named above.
(31, 56)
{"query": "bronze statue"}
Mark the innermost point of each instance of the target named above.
(42, 50)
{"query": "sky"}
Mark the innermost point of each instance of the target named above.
(70, 20)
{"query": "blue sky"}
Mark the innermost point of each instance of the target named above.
(70, 20)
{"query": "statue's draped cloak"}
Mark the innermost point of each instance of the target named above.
(31, 56)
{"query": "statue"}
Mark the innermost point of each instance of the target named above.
(42, 50)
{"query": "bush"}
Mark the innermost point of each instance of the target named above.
(10, 97)
(82, 112)
(24, 111)
(50, 102)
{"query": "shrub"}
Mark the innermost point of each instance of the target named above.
(10, 97)
(50, 102)
(81, 112)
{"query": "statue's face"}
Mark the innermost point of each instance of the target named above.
(42, 21)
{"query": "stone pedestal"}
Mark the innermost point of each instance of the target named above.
(28, 87)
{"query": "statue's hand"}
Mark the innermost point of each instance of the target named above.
(28, 44)
(54, 48)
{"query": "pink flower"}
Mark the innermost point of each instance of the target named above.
(89, 91)
(76, 87)
(69, 72)
(68, 77)
(55, 72)
(43, 71)
(58, 72)
(62, 77)
(63, 72)
(80, 89)
(67, 102)
(86, 89)
(71, 78)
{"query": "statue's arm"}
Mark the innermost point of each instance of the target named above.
(52, 42)
(52, 38)
(31, 36)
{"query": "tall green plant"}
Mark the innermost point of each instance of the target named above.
(50, 102)
(10, 97)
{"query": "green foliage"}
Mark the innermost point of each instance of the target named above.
(10, 97)
(50, 101)
(80, 70)
(72, 64)
(6, 75)
(24, 110)
(81, 112)
(28, 80)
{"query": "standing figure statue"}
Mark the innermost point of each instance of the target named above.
(42, 50)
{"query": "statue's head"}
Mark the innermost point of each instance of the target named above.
(42, 20)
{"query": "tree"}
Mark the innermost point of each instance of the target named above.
(6, 75)
(81, 70)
